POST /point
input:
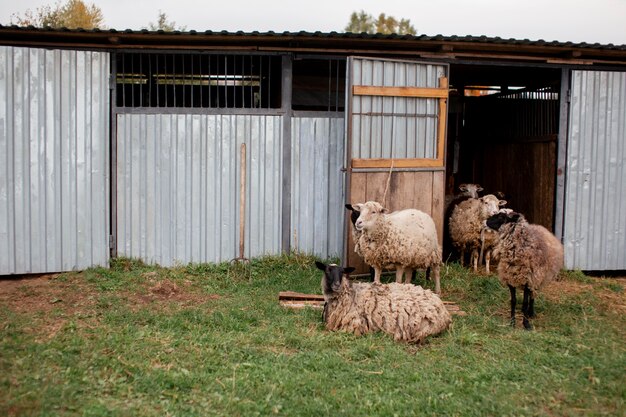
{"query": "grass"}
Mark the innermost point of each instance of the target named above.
(213, 340)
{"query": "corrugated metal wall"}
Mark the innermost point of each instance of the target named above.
(54, 160)
(411, 123)
(317, 209)
(178, 186)
(595, 202)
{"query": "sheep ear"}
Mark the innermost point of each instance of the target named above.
(357, 207)
(515, 216)
(320, 265)
(384, 210)
(502, 203)
(348, 269)
(349, 207)
(478, 188)
(463, 187)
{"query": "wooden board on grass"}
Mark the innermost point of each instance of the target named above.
(291, 299)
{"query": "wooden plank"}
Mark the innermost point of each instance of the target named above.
(437, 211)
(291, 295)
(403, 191)
(397, 163)
(357, 194)
(418, 92)
(301, 304)
(297, 300)
(422, 187)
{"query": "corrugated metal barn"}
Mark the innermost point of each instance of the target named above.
(134, 143)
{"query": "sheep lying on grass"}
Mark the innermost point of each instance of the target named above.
(407, 312)
(404, 240)
(467, 221)
(530, 257)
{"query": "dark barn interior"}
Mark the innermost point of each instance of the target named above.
(503, 126)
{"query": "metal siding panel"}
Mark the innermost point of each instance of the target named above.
(409, 137)
(318, 193)
(6, 83)
(178, 177)
(54, 188)
(594, 225)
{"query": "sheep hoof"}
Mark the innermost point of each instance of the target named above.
(527, 325)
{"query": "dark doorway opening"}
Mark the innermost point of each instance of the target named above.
(503, 124)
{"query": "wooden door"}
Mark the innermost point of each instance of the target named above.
(396, 126)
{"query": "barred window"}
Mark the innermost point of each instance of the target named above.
(319, 84)
(198, 80)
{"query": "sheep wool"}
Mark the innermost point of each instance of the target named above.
(466, 224)
(405, 240)
(407, 312)
(529, 255)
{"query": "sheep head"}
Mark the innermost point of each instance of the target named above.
(471, 190)
(354, 213)
(496, 221)
(333, 275)
(369, 214)
(490, 205)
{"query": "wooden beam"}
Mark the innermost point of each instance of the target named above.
(397, 163)
(418, 92)
(292, 299)
(443, 117)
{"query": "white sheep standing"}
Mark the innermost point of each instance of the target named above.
(407, 312)
(530, 257)
(466, 223)
(404, 240)
(466, 191)
(356, 234)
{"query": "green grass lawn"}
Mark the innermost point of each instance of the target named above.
(135, 340)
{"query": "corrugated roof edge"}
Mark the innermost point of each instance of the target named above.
(336, 35)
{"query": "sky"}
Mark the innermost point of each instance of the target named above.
(591, 21)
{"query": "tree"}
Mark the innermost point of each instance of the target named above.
(363, 22)
(72, 15)
(163, 24)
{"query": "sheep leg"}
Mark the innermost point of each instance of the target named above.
(410, 274)
(531, 306)
(475, 259)
(487, 259)
(427, 274)
(462, 257)
(399, 274)
(377, 273)
(513, 301)
(526, 308)
(436, 274)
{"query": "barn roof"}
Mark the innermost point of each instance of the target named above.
(424, 46)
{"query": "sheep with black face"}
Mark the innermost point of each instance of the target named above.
(530, 257)
(407, 312)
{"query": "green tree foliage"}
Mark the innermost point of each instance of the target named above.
(72, 15)
(364, 22)
(163, 24)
